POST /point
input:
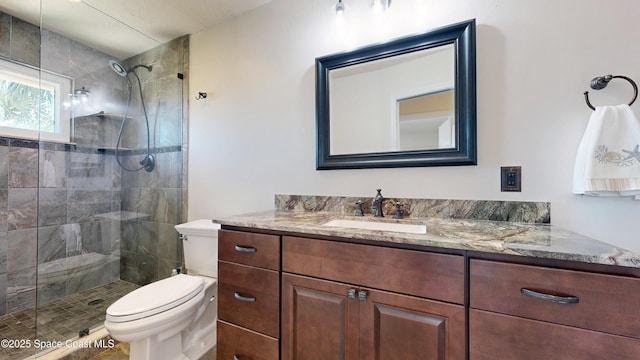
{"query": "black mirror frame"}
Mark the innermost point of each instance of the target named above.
(462, 36)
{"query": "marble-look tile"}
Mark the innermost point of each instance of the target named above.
(53, 169)
(140, 237)
(49, 291)
(4, 167)
(88, 278)
(25, 42)
(22, 209)
(169, 243)
(138, 268)
(166, 266)
(116, 236)
(52, 243)
(4, 209)
(512, 211)
(52, 207)
(89, 204)
(3, 294)
(21, 290)
(5, 35)
(96, 237)
(21, 250)
(23, 167)
(166, 174)
(87, 171)
(89, 65)
(4, 248)
(162, 204)
(130, 200)
(56, 50)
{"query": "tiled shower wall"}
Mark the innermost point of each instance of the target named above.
(68, 208)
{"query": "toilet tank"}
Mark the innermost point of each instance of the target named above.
(200, 247)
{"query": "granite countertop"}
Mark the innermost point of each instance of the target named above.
(501, 237)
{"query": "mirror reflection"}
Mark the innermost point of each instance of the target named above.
(426, 121)
(398, 103)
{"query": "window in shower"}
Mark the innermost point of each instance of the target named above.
(32, 103)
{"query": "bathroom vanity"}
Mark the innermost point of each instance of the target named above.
(291, 287)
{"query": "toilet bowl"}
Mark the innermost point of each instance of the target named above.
(173, 318)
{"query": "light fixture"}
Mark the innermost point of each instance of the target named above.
(380, 6)
(340, 8)
(82, 94)
(78, 96)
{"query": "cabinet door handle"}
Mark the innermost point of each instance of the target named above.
(351, 293)
(549, 297)
(362, 295)
(245, 249)
(236, 357)
(238, 296)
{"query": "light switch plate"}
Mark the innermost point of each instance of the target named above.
(511, 178)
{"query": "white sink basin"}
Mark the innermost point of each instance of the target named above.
(380, 226)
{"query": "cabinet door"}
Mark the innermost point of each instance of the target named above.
(498, 336)
(319, 321)
(395, 326)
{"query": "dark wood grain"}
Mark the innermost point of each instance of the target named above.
(263, 315)
(606, 302)
(319, 322)
(267, 254)
(244, 343)
(394, 326)
(435, 276)
(497, 336)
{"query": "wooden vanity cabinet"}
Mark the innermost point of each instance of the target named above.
(533, 312)
(248, 296)
(352, 301)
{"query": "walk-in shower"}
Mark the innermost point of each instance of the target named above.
(148, 162)
(80, 231)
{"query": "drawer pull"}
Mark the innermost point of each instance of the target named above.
(238, 296)
(236, 357)
(245, 249)
(549, 297)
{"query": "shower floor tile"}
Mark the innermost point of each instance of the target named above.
(60, 319)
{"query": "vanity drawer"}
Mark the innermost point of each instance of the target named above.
(260, 250)
(236, 342)
(424, 274)
(587, 300)
(249, 297)
(498, 336)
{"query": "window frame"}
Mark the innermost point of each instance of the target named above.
(61, 86)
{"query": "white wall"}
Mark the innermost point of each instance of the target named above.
(255, 134)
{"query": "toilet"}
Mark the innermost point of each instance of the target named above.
(173, 318)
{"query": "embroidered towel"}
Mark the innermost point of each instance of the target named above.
(608, 159)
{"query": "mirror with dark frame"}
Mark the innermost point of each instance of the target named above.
(408, 102)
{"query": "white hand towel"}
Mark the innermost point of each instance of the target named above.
(608, 159)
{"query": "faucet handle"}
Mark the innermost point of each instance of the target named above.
(398, 213)
(359, 211)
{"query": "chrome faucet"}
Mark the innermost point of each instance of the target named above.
(376, 204)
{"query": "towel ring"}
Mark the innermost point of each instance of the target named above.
(600, 82)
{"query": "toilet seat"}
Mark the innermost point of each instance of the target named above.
(155, 298)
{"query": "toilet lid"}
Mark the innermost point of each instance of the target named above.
(156, 297)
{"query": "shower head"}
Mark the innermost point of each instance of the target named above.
(118, 68)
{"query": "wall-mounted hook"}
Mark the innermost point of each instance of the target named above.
(201, 95)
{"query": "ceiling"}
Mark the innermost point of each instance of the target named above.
(123, 28)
